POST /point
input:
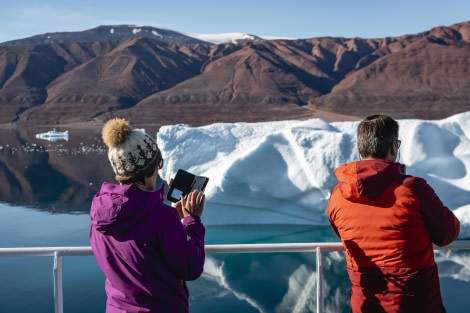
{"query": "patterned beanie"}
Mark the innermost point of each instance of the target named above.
(132, 153)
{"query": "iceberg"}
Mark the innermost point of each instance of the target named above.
(283, 172)
(54, 135)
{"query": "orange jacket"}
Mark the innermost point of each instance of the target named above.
(388, 222)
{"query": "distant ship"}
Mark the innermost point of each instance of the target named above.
(54, 135)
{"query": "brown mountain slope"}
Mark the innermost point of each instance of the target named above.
(412, 83)
(27, 71)
(117, 79)
(154, 81)
(254, 82)
(426, 77)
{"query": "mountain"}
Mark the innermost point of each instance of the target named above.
(156, 76)
(107, 33)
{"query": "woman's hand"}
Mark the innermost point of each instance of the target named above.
(193, 203)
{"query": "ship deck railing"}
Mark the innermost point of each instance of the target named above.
(318, 248)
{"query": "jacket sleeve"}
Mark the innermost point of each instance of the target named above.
(331, 211)
(182, 245)
(443, 226)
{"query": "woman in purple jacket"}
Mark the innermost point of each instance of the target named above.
(145, 248)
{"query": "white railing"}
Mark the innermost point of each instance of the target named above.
(319, 247)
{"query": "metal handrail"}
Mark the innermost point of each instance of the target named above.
(317, 247)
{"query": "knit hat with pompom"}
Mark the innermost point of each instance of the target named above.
(132, 153)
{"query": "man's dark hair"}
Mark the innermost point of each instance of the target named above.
(375, 135)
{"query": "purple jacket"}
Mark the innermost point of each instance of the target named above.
(144, 250)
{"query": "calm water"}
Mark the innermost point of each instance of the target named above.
(45, 193)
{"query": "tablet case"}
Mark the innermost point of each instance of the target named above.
(183, 183)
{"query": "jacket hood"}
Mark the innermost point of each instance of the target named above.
(365, 180)
(117, 208)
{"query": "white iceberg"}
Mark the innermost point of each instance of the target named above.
(54, 135)
(283, 172)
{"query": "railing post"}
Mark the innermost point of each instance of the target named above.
(58, 296)
(319, 282)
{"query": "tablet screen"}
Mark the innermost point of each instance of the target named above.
(176, 194)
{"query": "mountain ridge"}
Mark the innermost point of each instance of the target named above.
(125, 32)
(174, 78)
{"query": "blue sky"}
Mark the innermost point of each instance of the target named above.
(291, 19)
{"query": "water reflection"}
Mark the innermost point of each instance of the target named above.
(60, 176)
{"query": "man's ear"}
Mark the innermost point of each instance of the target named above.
(392, 152)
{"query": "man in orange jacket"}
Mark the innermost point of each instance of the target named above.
(388, 222)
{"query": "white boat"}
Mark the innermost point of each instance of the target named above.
(54, 135)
